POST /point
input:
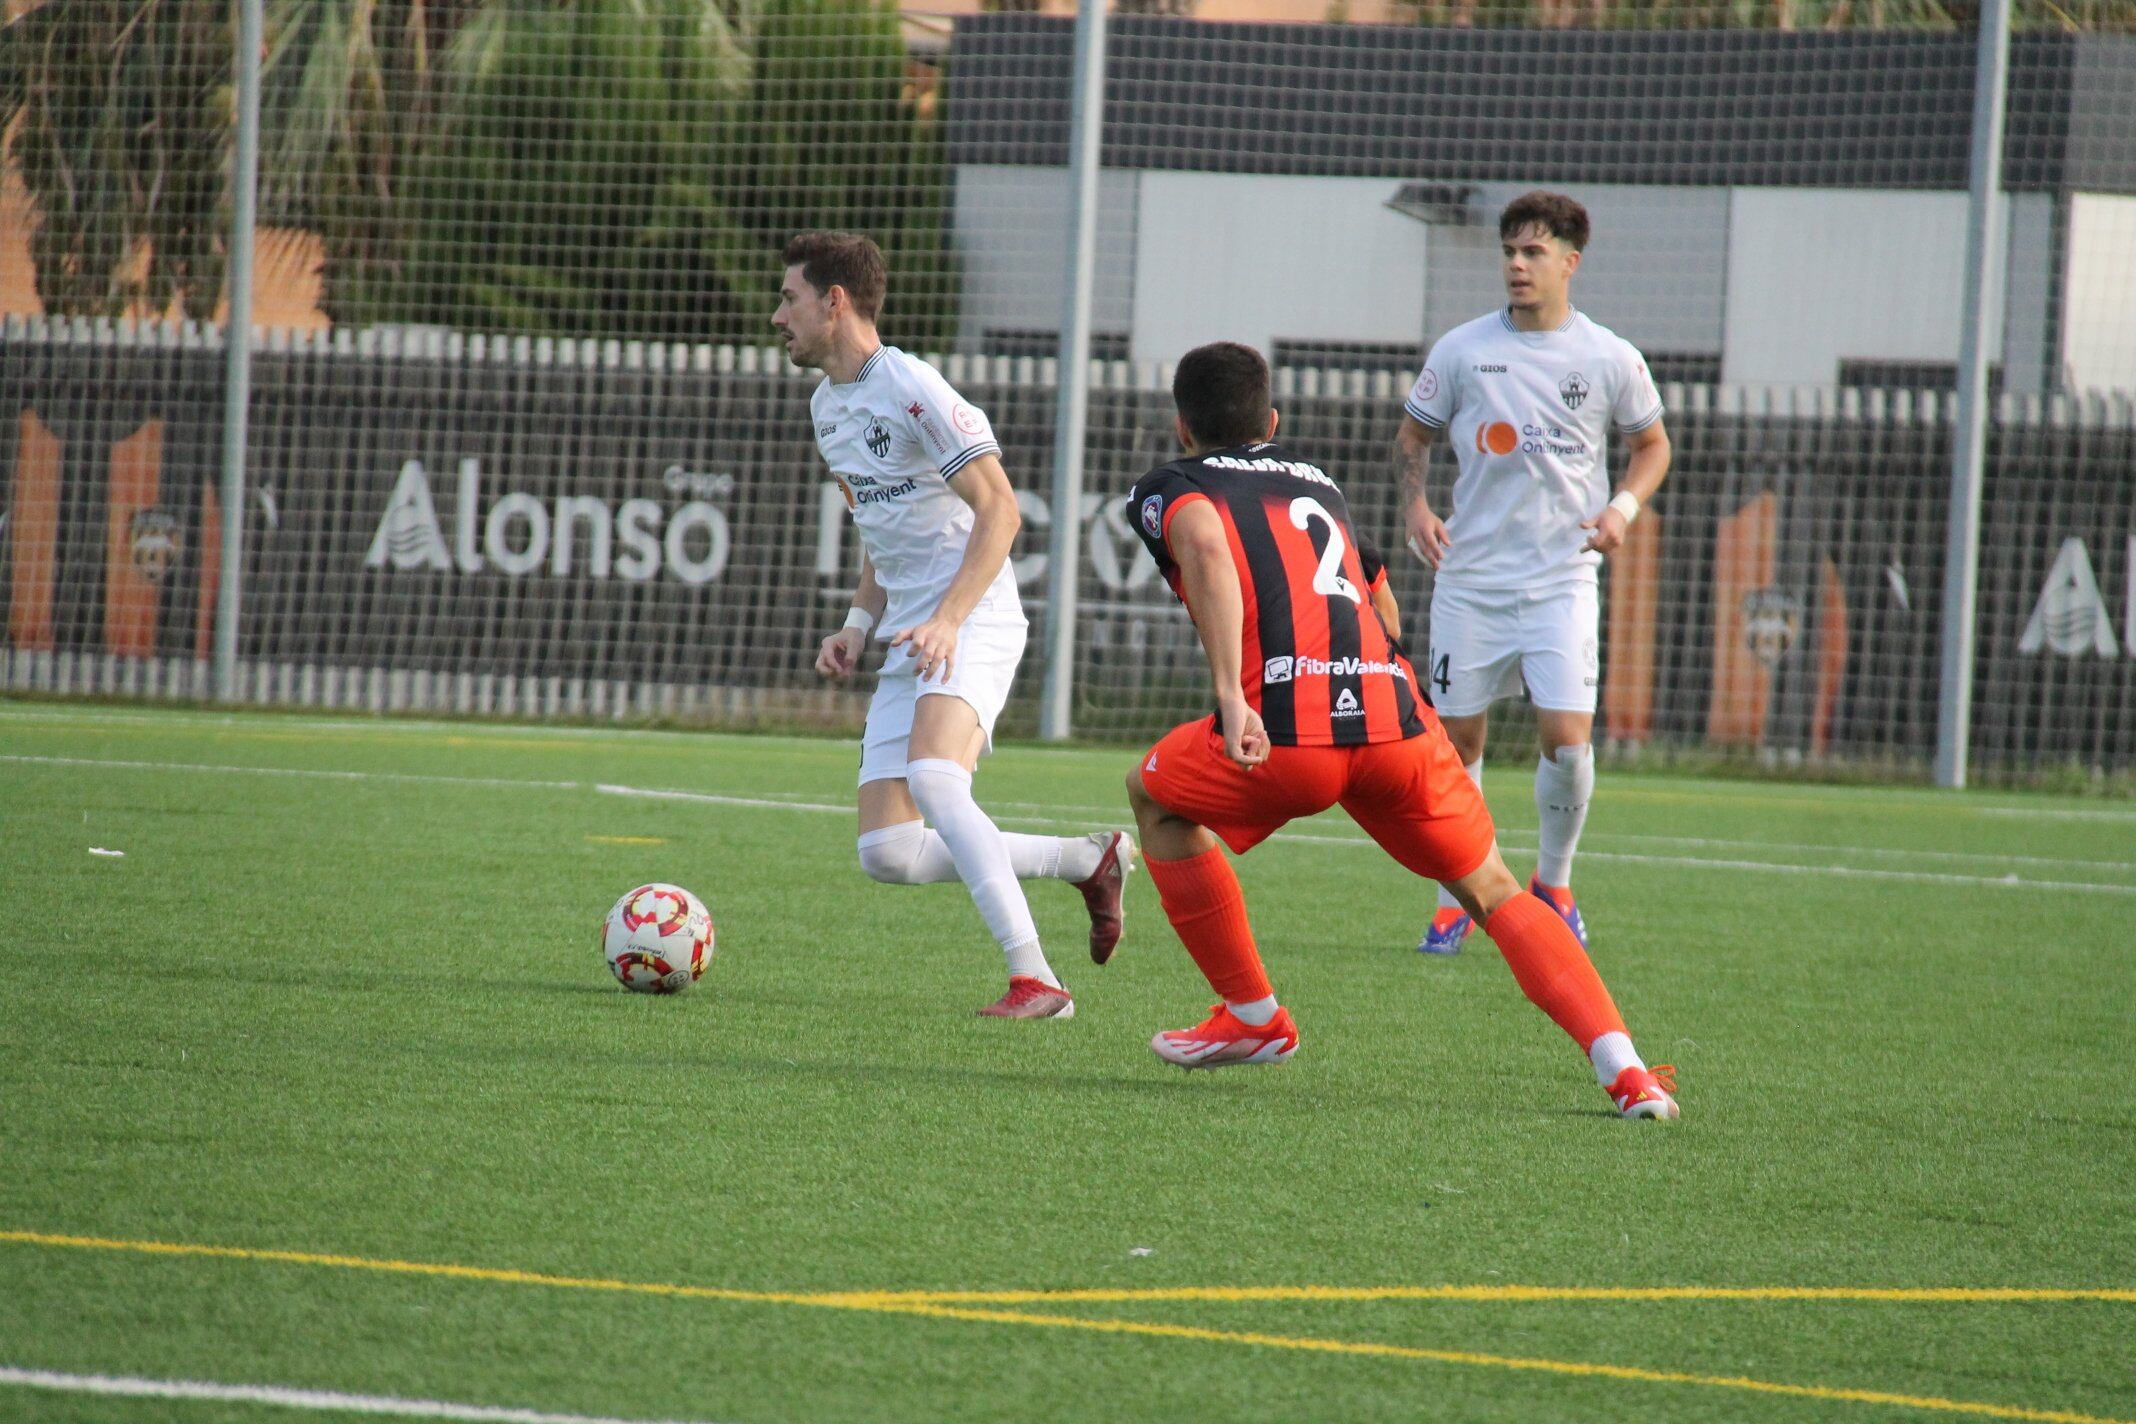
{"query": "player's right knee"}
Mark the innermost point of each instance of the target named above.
(890, 854)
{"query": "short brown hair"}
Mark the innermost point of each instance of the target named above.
(1222, 393)
(841, 259)
(1555, 213)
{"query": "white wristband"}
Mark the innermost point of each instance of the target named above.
(859, 618)
(1625, 503)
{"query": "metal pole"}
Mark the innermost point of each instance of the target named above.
(1086, 127)
(1961, 575)
(237, 344)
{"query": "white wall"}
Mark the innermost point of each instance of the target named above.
(1012, 246)
(1817, 275)
(2099, 307)
(1258, 258)
(2028, 354)
(1783, 282)
(1654, 271)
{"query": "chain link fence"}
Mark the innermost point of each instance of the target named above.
(516, 448)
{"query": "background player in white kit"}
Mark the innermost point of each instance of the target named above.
(1527, 395)
(922, 474)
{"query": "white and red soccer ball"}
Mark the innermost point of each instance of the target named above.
(657, 939)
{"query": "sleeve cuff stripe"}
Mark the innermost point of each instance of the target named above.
(1423, 416)
(965, 457)
(1639, 425)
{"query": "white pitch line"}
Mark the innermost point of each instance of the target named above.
(1857, 872)
(2058, 813)
(185, 718)
(1898, 852)
(60, 717)
(2001, 882)
(1685, 862)
(1523, 838)
(710, 798)
(287, 1398)
(310, 772)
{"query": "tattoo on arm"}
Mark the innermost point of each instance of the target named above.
(1412, 459)
(1409, 467)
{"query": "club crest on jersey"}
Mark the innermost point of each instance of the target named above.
(878, 438)
(1153, 516)
(1573, 389)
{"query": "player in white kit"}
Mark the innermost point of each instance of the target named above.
(1527, 395)
(922, 473)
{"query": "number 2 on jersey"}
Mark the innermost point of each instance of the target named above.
(1328, 578)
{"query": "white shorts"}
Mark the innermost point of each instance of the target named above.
(988, 650)
(1486, 642)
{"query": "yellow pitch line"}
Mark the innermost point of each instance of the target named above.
(414, 1268)
(885, 1299)
(1512, 1362)
(1516, 1293)
(928, 1304)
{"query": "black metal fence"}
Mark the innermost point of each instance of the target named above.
(627, 530)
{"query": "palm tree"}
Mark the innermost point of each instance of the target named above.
(600, 167)
(833, 135)
(568, 185)
(466, 160)
(118, 114)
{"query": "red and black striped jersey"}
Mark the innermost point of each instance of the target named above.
(1317, 663)
(1375, 567)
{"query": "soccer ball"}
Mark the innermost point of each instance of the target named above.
(657, 939)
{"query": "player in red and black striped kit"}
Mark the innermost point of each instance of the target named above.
(1316, 660)
(1316, 706)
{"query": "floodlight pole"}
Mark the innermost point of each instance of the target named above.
(237, 344)
(1961, 570)
(1072, 384)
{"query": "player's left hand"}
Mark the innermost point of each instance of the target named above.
(1608, 527)
(934, 647)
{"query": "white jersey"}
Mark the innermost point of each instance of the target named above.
(892, 437)
(1529, 413)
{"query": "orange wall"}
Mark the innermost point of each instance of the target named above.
(286, 277)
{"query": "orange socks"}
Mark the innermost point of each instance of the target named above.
(1554, 972)
(1202, 899)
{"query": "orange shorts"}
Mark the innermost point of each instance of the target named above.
(1413, 797)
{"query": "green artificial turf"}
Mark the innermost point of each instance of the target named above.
(363, 1015)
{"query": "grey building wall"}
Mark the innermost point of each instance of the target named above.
(1655, 272)
(1012, 227)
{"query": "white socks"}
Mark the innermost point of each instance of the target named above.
(1054, 857)
(1446, 896)
(943, 791)
(1611, 1054)
(1257, 1014)
(906, 854)
(1564, 784)
(910, 854)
